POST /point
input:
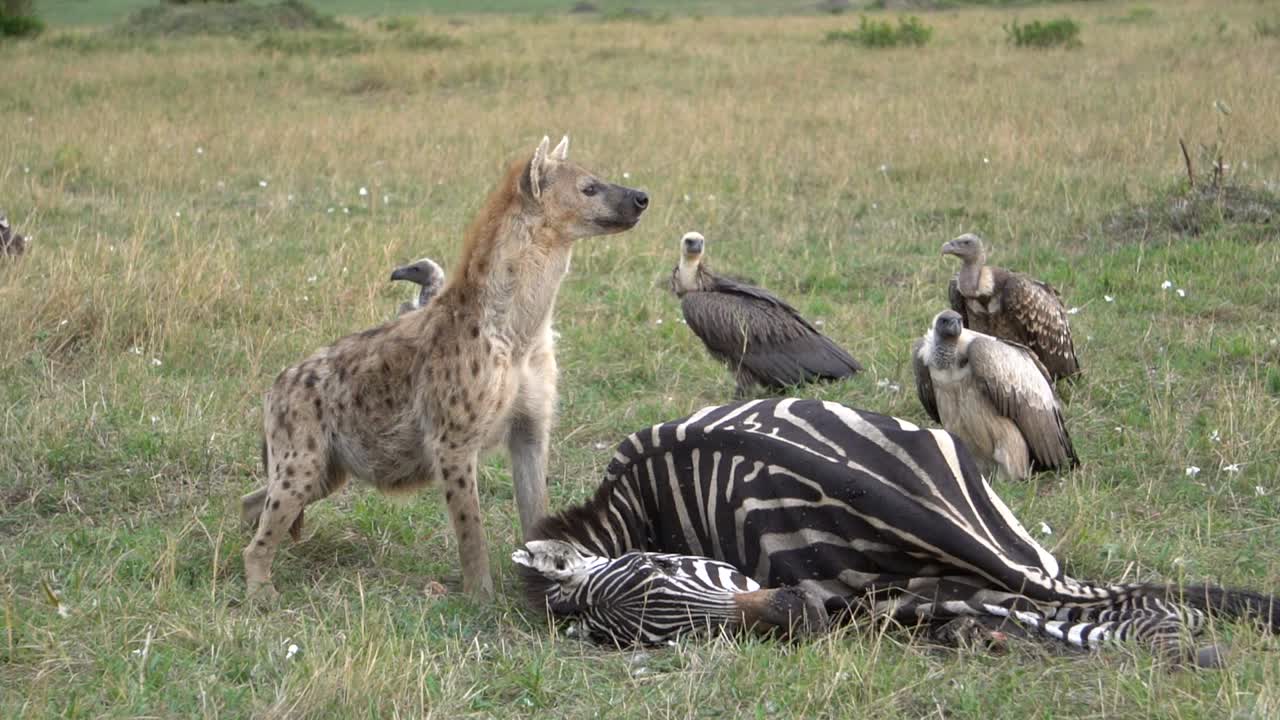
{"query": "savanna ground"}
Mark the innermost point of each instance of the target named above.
(200, 225)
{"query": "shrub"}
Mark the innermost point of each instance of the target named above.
(220, 18)
(18, 19)
(1267, 28)
(1063, 32)
(880, 34)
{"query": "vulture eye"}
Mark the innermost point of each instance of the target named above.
(559, 563)
(590, 190)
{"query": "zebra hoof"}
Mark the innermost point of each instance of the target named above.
(1211, 657)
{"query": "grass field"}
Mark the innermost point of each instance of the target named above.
(199, 226)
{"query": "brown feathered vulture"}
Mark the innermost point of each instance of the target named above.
(762, 339)
(427, 274)
(11, 243)
(1012, 306)
(994, 395)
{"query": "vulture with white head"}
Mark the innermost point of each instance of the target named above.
(427, 274)
(994, 395)
(762, 339)
(11, 243)
(1012, 306)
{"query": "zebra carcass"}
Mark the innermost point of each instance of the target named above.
(859, 512)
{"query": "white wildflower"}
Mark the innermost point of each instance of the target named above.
(26, 170)
(221, 185)
(1182, 293)
(178, 214)
(1073, 311)
(199, 150)
(658, 321)
(262, 183)
(311, 280)
(346, 210)
(330, 211)
(1108, 298)
(364, 192)
(1192, 471)
(386, 199)
(895, 387)
(1233, 468)
(686, 197)
(1119, 429)
(63, 322)
(1166, 284)
(626, 176)
(884, 168)
(1214, 436)
(600, 445)
(986, 161)
(291, 651)
(290, 198)
(155, 362)
(155, 419)
(136, 349)
(1259, 490)
(1045, 529)
(882, 383)
(819, 323)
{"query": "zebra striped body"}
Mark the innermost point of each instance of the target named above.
(860, 512)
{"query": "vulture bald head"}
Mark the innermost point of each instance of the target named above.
(1012, 306)
(762, 339)
(11, 243)
(994, 395)
(690, 273)
(427, 274)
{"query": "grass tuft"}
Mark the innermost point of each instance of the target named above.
(910, 31)
(1062, 32)
(170, 20)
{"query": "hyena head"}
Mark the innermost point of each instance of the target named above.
(573, 199)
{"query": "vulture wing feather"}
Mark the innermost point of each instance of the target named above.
(924, 382)
(1019, 387)
(1037, 308)
(751, 329)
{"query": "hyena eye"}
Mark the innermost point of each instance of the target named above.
(590, 190)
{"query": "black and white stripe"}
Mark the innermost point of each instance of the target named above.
(862, 512)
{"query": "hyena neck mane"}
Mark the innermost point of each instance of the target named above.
(512, 263)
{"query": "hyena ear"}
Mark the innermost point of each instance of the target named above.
(536, 166)
(561, 153)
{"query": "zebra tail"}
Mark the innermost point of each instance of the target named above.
(1227, 603)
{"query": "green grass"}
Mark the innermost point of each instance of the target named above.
(137, 166)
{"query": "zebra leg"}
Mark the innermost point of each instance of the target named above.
(788, 611)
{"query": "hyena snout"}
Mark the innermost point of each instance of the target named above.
(624, 206)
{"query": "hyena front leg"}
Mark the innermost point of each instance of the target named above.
(458, 475)
(528, 438)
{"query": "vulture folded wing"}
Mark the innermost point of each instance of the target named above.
(1037, 308)
(752, 330)
(958, 302)
(924, 381)
(1019, 387)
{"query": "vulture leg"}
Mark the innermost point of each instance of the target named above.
(1012, 457)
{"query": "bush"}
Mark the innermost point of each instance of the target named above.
(18, 19)
(880, 34)
(1267, 28)
(237, 18)
(1063, 32)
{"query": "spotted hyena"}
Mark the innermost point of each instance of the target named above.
(417, 399)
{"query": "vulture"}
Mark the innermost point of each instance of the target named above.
(994, 395)
(11, 243)
(427, 274)
(762, 339)
(1011, 306)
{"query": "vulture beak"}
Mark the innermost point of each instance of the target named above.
(948, 324)
(693, 243)
(405, 272)
(949, 249)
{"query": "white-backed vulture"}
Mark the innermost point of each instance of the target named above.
(1012, 306)
(426, 273)
(11, 243)
(761, 338)
(994, 395)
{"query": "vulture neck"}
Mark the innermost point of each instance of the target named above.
(943, 355)
(974, 277)
(691, 274)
